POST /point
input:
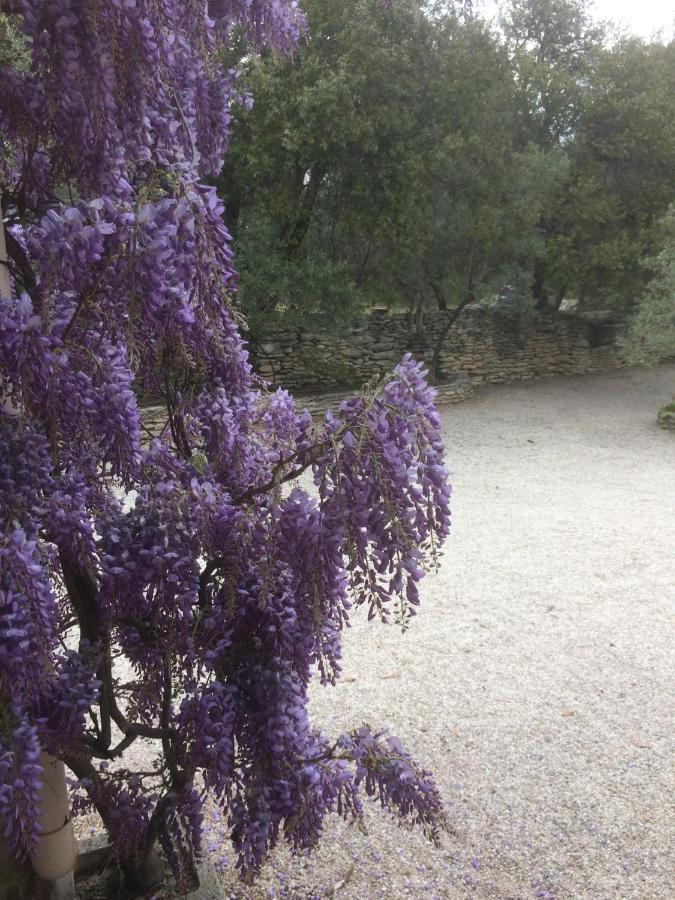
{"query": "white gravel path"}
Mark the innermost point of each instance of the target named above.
(536, 681)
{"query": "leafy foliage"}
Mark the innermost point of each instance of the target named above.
(651, 335)
(275, 289)
(623, 171)
(408, 155)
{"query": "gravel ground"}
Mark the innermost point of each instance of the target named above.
(535, 680)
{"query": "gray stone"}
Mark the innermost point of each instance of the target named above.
(209, 885)
(63, 888)
(93, 852)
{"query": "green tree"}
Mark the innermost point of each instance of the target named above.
(316, 166)
(651, 334)
(410, 156)
(623, 173)
(455, 206)
(608, 108)
(378, 166)
(554, 46)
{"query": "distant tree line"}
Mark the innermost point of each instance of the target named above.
(414, 155)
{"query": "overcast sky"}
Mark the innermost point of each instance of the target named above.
(642, 17)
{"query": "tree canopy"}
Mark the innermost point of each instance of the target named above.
(651, 335)
(411, 153)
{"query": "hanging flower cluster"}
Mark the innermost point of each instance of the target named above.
(196, 582)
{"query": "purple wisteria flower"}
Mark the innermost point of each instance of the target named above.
(182, 590)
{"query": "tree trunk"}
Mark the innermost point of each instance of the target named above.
(18, 880)
(440, 298)
(230, 189)
(539, 293)
(415, 312)
(298, 233)
(559, 297)
(435, 359)
(143, 872)
(231, 215)
(4, 260)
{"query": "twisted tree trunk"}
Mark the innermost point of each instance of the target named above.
(436, 358)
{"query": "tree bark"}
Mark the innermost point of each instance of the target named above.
(440, 298)
(308, 198)
(144, 872)
(539, 292)
(4, 260)
(560, 296)
(435, 359)
(18, 880)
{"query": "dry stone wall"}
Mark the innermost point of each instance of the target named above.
(484, 345)
(455, 391)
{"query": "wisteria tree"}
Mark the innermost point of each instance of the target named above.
(183, 589)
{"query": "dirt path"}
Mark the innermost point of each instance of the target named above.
(537, 679)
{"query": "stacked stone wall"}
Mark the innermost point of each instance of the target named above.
(485, 345)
